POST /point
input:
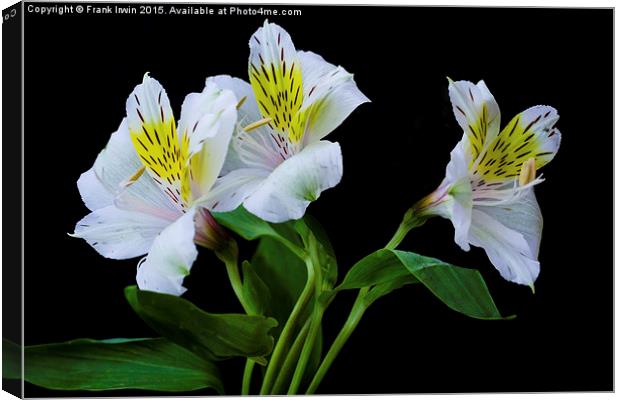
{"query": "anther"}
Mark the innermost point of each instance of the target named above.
(257, 124)
(133, 178)
(528, 172)
(240, 103)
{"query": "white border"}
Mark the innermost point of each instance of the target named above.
(488, 3)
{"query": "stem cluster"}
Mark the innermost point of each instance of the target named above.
(292, 352)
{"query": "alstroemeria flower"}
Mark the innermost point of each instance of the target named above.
(278, 163)
(488, 190)
(134, 213)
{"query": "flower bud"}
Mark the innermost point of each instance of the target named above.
(209, 233)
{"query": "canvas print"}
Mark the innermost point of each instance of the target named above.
(222, 199)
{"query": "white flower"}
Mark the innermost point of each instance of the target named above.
(133, 212)
(278, 164)
(489, 206)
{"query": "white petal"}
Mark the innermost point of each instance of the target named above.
(248, 112)
(119, 234)
(461, 213)
(170, 258)
(507, 249)
(330, 95)
(114, 164)
(477, 113)
(460, 191)
(94, 193)
(208, 119)
(155, 139)
(538, 124)
(458, 167)
(549, 144)
(276, 78)
(233, 188)
(201, 112)
(272, 45)
(105, 183)
(290, 188)
(523, 216)
(148, 104)
(530, 134)
(255, 149)
(146, 196)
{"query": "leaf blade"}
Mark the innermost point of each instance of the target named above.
(211, 336)
(377, 268)
(283, 273)
(245, 224)
(92, 365)
(461, 289)
(255, 291)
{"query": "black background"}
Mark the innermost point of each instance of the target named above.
(81, 68)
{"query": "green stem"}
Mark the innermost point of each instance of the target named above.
(398, 237)
(315, 318)
(229, 257)
(288, 329)
(410, 221)
(291, 357)
(349, 326)
(315, 325)
(247, 377)
(300, 253)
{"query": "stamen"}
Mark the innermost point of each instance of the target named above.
(240, 103)
(528, 172)
(129, 181)
(507, 195)
(257, 124)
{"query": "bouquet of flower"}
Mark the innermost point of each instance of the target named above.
(242, 163)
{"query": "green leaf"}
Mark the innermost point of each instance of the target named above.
(211, 336)
(461, 289)
(283, 273)
(250, 227)
(382, 289)
(150, 364)
(377, 268)
(11, 360)
(245, 224)
(320, 233)
(255, 291)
